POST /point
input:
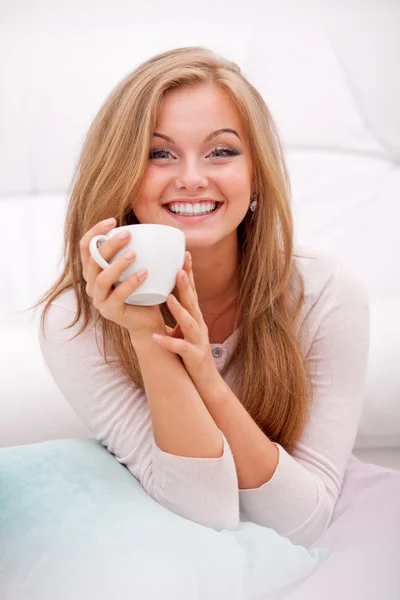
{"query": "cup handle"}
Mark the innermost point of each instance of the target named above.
(93, 249)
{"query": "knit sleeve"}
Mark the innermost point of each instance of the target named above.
(299, 499)
(204, 490)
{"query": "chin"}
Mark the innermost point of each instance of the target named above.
(204, 239)
(199, 240)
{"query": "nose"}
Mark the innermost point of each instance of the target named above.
(191, 177)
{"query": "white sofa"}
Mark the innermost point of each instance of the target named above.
(333, 88)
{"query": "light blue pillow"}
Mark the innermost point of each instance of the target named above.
(76, 525)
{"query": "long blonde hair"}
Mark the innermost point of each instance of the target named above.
(267, 358)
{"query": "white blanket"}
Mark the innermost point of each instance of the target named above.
(364, 540)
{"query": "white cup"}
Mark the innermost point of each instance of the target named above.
(159, 249)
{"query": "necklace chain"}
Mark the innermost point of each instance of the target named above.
(220, 314)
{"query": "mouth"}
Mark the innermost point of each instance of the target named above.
(192, 209)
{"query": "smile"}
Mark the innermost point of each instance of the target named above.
(188, 209)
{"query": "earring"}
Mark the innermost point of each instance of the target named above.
(253, 202)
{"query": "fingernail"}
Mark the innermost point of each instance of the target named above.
(184, 277)
(189, 256)
(140, 274)
(123, 235)
(129, 255)
(108, 222)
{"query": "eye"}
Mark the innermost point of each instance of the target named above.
(159, 153)
(223, 152)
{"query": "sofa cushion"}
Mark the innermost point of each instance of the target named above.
(77, 525)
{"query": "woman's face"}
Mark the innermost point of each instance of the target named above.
(199, 175)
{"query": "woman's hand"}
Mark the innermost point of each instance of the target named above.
(190, 338)
(109, 301)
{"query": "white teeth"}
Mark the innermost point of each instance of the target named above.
(192, 209)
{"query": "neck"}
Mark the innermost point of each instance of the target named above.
(215, 275)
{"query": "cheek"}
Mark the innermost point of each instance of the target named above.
(236, 183)
(154, 179)
(154, 182)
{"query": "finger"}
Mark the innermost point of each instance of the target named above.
(107, 250)
(108, 277)
(90, 276)
(188, 267)
(181, 347)
(125, 289)
(100, 228)
(188, 297)
(116, 299)
(188, 325)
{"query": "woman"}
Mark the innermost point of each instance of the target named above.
(241, 397)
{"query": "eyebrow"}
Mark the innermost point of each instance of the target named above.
(208, 138)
